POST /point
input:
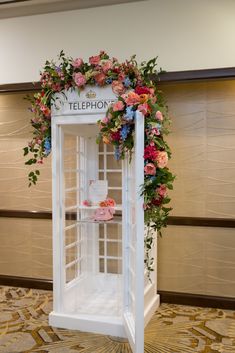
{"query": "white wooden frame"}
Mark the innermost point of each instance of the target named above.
(132, 322)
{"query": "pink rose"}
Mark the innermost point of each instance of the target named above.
(86, 203)
(159, 115)
(94, 60)
(150, 169)
(107, 65)
(155, 131)
(132, 98)
(43, 128)
(105, 120)
(119, 105)
(161, 159)
(118, 88)
(79, 79)
(100, 78)
(121, 76)
(161, 191)
(143, 108)
(77, 63)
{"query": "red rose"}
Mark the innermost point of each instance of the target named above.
(115, 136)
(142, 90)
(157, 202)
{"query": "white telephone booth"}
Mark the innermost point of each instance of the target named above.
(100, 284)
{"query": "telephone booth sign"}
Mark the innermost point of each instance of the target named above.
(100, 283)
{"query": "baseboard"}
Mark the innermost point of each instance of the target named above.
(165, 296)
(26, 282)
(202, 300)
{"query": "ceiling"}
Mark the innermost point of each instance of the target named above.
(16, 8)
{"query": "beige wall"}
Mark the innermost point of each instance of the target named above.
(196, 259)
(185, 34)
(26, 245)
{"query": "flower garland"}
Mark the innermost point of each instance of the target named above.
(136, 91)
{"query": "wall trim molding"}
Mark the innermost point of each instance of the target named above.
(195, 75)
(173, 220)
(164, 77)
(201, 221)
(20, 87)
(165, 296)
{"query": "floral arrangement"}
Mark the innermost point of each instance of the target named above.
(109, 202)
(135, 89)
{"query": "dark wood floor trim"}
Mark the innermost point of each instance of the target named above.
(177, 221)
(202, 222)
(26, 282)
(26, 214)
(165, 77)
(165, 296)
(197, 300)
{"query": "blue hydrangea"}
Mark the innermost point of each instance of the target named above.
(58, 69)
(130, 114)
(109, 80)
(117, 153)
(125, 131)
(127, 82)
(159, 126)
(47, 146)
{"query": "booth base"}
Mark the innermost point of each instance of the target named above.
(96, 324)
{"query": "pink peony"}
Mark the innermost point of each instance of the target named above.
(143, 108)
(94, 60)
(132, 98)
(162, 190)
(150, 169)
(159, 115)
(79, 79)
(118, 88)
(119, 105)
(100, 78)
(77, 63)
(161, 159)
(107, 66)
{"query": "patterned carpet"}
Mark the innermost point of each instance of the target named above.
(173, 329)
